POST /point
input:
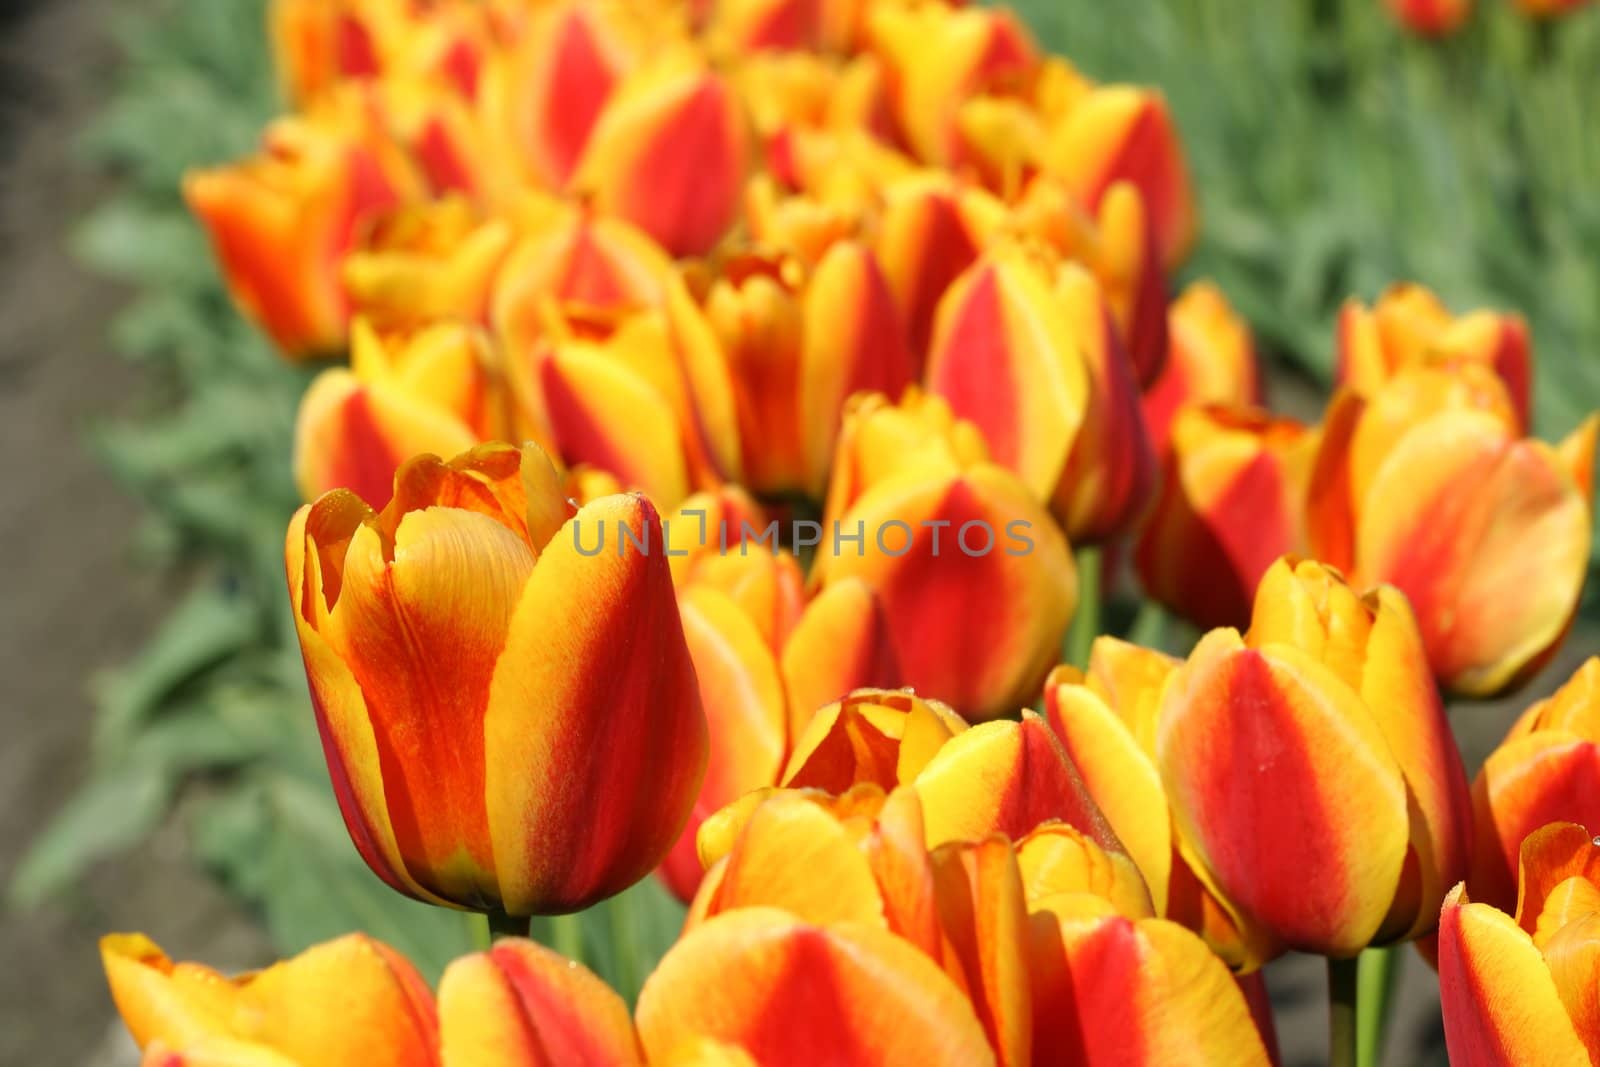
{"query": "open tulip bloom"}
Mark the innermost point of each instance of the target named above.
(745, 403)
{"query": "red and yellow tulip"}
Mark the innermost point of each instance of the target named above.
(282, 222)
(1231, 500)
(1211, 359)
(1410, 327)
(1356, 816)
(1546, 770)
(1432, 18)
(428, 263)
(976, 579)
(1430, 486)
(1520, 988)
(464, 646)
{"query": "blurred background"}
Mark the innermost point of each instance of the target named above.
(157, 769)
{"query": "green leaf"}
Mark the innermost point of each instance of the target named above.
(111, 813)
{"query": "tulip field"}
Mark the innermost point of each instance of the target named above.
(764, 532)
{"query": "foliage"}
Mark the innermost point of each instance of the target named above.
(1332, 153)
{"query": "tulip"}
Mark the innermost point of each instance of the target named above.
(344, 1001)
(797, 344)
(317, 43)
(975, 578)
(1521, 989)
(1431, 18)
(1409, 327)
(668, 153)
(1548, 8)
(520, 1004)
(1231, 501)
(1119, 133)
(1107, 725)
(1429, 486)
(282, 222)
(1211, 359)
(1131, 991)
(1546, 770)
(442, 134)
(430, 262)
(433, 391)
(762, 985)
(468, 649)
(937, 57)
(1028, 352)
(1355, 818)
(841, 642)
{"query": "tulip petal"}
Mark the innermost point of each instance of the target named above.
(984, 914)
(787, 992)
(841, 643)
(1501, 1008)
(521, 1005)
(594, 668)
(1547, 776)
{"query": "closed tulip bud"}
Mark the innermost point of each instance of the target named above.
(841, 642)
(435, 391)
(521, 1004)
(765, 582)
(1211, 359)
(798, 343)
(282, 222)
(1231, 500)
(1429, 486)
(961, 556)
(1546, 770)
(1410, 327)
(712, 524)
(764, 985)
(427, 263)
(469, 649)
(930, 232)
(1123, 133)
(1431, 18)
(543, 95)
(1355, 816)
(669, 154)
(1027, 351)
(938, 57)
(1129, 990)
(344, 1001)
(1107, 725)
(1521, 989)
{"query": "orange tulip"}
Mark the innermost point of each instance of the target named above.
(1118, 133)
(1409, 327)
(1028, 352)
(430, 262)
(1127, 990)
(975, 578)
(1211, 359)
(668, 153)
(1355, 818)
(1548, 8)
(1546, 770)
(345, 1001)
(282, 222)
(521, 1005)
(433, 391)
(1107, 725)
(471, 645)
(1432, 18)
(1522, 990)
(318, 44)
(760, 985)
(798, 343)
(1231, 501)
(1429, 486)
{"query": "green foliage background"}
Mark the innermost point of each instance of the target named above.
(1333, 155)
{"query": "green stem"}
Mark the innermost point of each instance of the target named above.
(1343, 993)
(1377, 969)
(502, 925)
(478, 930)
(566, 936)
(624, 945)
(1086, 622)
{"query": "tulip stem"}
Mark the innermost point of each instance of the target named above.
(1086, 620)
(566, 936)
(502, 925)
(1376, 972)
(1343, 993)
